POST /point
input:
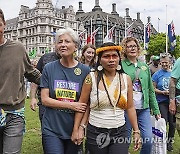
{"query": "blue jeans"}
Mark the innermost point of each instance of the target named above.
(145, 126)
(56, 145)
(11, 135)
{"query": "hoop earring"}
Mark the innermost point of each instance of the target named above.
(118, 68)
(99, 68)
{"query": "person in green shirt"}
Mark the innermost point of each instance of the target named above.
(143, 91)
(174, 92)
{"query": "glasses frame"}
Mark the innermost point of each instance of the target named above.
(131, 46)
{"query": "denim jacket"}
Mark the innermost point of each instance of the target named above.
(146, 83)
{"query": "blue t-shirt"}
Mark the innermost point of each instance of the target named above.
(161, 78)
(63, 84)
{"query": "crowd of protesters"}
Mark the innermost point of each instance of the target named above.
(100, 96)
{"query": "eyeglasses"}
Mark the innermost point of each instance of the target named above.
(131, 46)
(108, 57)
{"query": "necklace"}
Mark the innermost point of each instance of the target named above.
(108, 92)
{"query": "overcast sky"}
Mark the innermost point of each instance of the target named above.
(153, 8)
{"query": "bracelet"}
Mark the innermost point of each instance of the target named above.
(83, 126)
(136, 131)
(172, 99)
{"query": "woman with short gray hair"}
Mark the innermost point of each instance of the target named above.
(161, 80)
(61, 85)
(70, 32)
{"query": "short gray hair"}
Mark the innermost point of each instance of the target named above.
(68, 31)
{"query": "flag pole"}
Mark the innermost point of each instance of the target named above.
(105, 39)
(91, 30)
(166, 32)
(144, 31)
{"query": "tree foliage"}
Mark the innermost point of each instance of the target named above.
(157, 45)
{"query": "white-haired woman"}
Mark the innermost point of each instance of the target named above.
(61, 84)
(161, 80)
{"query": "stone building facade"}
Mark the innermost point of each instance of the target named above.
(36, 27)
(99, 19)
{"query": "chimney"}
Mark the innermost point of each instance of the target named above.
(127, 12)
(114, 9)
(96, 7)
(96, 2)
(149, 19)
(80, 9)
(138, 16)
(80, 6)
(63, 7)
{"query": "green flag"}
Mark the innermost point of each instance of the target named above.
(32, 53)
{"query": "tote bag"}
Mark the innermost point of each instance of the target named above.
(159, 136)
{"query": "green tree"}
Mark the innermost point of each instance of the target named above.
(157, 45)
